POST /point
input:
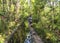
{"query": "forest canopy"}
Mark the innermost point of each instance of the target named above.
(45, 19)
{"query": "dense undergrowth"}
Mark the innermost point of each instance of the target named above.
(45, 14)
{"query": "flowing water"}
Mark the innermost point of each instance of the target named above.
(29, 38)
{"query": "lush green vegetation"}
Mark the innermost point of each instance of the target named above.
(46, 19)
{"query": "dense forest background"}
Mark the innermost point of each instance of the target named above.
(45, 14)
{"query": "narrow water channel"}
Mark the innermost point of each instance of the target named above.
(29, 38)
